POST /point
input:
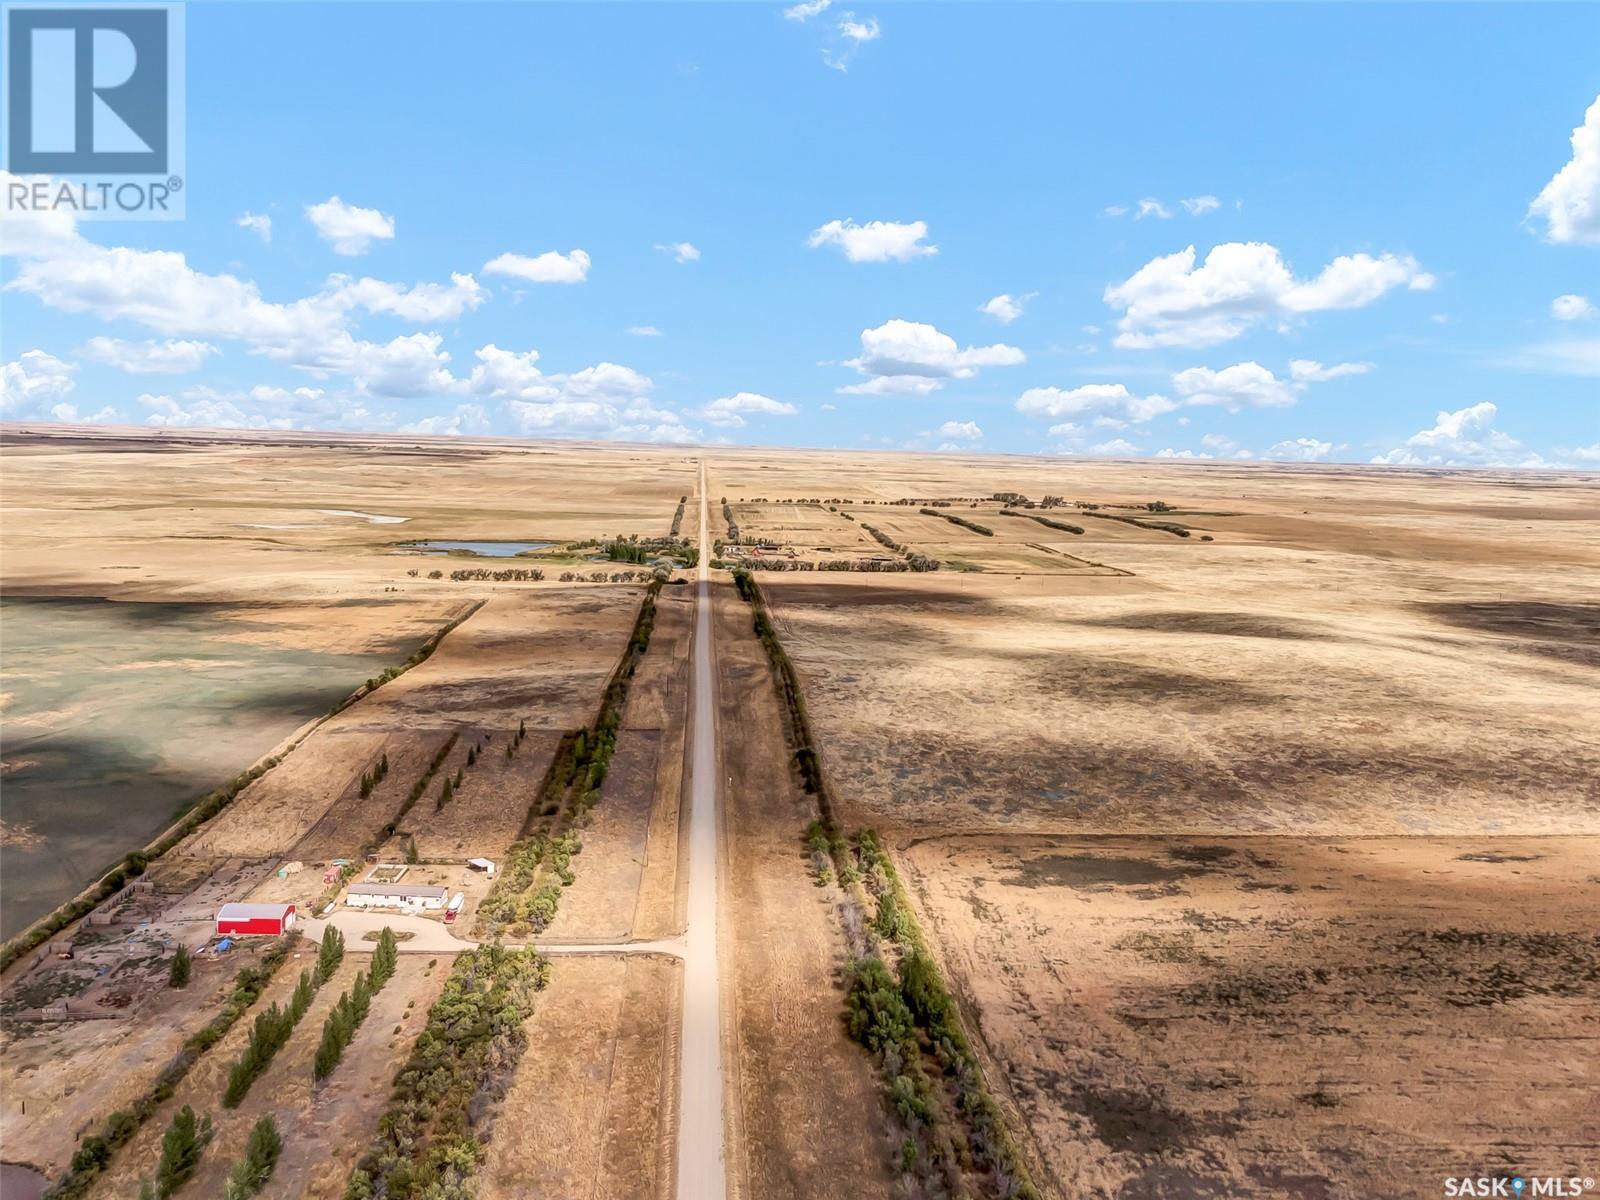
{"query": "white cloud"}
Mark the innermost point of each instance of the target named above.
(683, 252)
(257, 224)
(1116, 448)
(1302, 449)
(910, 358)
(1570, 202)
(644, 331)
(1589, 453)
(606, 400)
(549, 267)
(1169, 452)
(1149, 207)
(70, 414)
(1465, 437)
(846, 36)
(1109, 399)
(892, 385)
(960, 431)
(876, 241)
(1308, 370)
(1243, 385)
(347, 229)
(261, 407)
(1005, 307)
(418, 302)
(728, 411)
(159, 290)
(1172, 302)
(33, 380)
(806, 10)
(1572, 308)
(1116, 210)
(1218, 441)
(170, 357)
(1199, 206)
(1579, 356)
(859, 31)
(463, 419)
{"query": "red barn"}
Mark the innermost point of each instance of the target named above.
(238, 920)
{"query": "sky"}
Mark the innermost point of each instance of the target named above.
(1300, 232)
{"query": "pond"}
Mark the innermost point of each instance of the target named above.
(486, 549)
(118, 713)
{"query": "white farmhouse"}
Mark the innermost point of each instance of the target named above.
(408, 897)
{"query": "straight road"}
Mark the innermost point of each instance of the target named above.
(701, 1159)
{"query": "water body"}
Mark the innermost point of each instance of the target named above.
(116, 714)
(487, 549)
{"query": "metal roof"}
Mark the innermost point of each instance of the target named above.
(246, 912)
(421, 890)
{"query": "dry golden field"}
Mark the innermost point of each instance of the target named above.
(1257, 857)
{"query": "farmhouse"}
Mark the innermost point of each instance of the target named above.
(413, 897)
(245, 919)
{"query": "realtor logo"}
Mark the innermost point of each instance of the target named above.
(94, 95)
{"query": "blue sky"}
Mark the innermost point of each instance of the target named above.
(478, 213)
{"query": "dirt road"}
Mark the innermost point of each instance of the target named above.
(701, 1164)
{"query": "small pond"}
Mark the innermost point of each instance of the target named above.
(487, 549)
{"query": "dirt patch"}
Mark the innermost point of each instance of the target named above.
(1219, 624)
(1243, 1040)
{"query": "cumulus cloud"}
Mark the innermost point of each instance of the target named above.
(1243, 385)
(729, 411)
(159, 290)
(171, 357)
(1570, 202)
(549, 267)
(859, 31)
(257, 224)
(1301, 449)
(806, 10)
(34, 380)
(347, 229)
(1005, 307)
(416, 302)
(1465, 437)
(1112, 400)
(876, 241)
(463, 419)
(917, 358)
(1149, 207)
(603, 401)
(1169, 452)
(69, 413)
(261, 407)
(959, 431)
(1116, 448)
(1572, 308)
(683, 252)
(1172, 302)
(1199, 206)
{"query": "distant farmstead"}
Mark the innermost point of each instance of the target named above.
(243, 920)
(413, 897)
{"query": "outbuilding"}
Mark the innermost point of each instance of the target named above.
(268, 920)
(412, 897)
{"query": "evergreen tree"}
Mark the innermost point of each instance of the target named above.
(331, 954)
(250, 1173)
(181, 1147)
(182, 968)
(384, 959)
(301, 1000)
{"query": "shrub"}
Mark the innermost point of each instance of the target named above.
(181, 1147)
